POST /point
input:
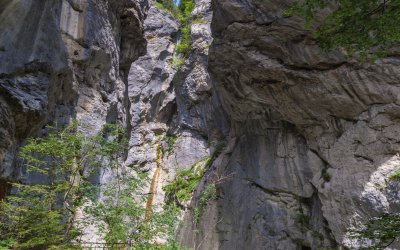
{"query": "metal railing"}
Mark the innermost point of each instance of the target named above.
(106, 246)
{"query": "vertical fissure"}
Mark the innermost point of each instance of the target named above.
(154, 182)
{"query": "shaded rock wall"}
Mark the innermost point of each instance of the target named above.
(64, 60)
(103, 61)
(308, 139)
(312, 135)
(157, 144)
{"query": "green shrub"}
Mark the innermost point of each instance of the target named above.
(382, 230)
(7, 244)
(165, 5)
(199, 21)
(186, 7)
(42, 215)
(159, 5)
(395, 176)
(369, 28)
(183, 12)
(171, 141)
(208, 194)
(178, 62)
(180, 190)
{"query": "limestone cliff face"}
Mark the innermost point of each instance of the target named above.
(162, 138)
(313, 136)
(307, 139)
(63, 60)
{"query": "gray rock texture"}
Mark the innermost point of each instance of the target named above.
(303, 141)
(64, 60)
(314, 136)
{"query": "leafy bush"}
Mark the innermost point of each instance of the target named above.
(170, 141)
(395, 176)
(178, 62)
(382, 230)
(165, 4)
(208, 194)
(42, 215)
(186, 7)
(357, 26)
(183, 13)
(180, 190)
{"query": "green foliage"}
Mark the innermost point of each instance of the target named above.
(199, 20)
(171, 141)
(7, 244)
(369, 27)
(167, 5)
(180, 190)
(382, 230)
(303, 219)
(159, 5)
(120, 215)
(39, 215)
(395, 176)
(325, 175)
(118, 205)
(208, 194)
(184, 16)
(42, 215)
(178, 62)
(183, 13)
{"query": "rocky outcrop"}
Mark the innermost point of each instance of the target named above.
(302, 141)
(152, 105)
(313, 135)
(64, 60)
(171, 107)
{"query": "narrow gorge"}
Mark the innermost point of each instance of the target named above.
(290, 146)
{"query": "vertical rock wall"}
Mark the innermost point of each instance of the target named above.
(171, 106)
(307, 139)
(313, 136)
(64, 60)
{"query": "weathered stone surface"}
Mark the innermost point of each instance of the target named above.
(308, 139)
(165, 132)
(152, 100)
(63, 60)
(307, 125)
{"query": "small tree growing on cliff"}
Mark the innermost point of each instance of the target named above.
(42, 215)
(183, 12)
(382, 231)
